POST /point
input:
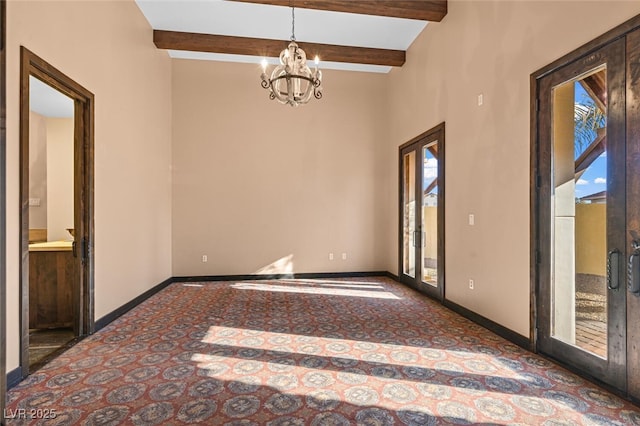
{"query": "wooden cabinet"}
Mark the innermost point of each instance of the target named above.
(51, 274)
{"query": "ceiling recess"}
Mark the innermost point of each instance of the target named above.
(365, 35)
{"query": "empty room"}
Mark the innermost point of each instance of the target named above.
(291, 212)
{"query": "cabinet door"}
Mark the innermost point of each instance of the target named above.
(50, 289)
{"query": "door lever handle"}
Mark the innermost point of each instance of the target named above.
(633, 269)
(613, 267)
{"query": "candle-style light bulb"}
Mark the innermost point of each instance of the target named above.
(264, 64)
(316, 60)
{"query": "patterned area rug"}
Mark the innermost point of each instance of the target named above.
(304, 352)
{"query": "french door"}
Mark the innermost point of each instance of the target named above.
(421, 232)
(587, 213)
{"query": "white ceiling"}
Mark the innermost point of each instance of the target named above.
(274, 22)
(47, 101)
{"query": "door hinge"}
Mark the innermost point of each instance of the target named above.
(84, 249)
(538, 257)
(538, 181)
(537, 105)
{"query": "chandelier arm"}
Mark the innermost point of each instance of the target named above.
(302, 77)
(279, 96)
(288, 96)
(306, 96)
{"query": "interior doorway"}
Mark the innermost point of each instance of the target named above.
(421, 212)
(585, 221)
(56, 194)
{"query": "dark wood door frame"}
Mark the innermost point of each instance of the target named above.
(436, 133)
(633, 198)
(585, 53)
(534, 176)
(32, 65)
(3, 206)
(612, 369)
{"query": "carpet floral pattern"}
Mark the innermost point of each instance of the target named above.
(365, 351)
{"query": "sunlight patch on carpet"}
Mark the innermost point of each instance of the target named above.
(314, 290)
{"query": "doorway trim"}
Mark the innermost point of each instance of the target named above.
(83, 298)
(3, 204)
(435, 133)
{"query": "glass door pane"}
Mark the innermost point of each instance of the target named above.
(409, 214)
(579, 212)
(430, 214)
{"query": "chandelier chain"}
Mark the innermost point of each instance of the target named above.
(293, 24)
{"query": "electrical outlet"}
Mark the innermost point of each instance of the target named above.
(344, 256)
(472, 219)
(330, 256)
(470, 284)
(205, 259)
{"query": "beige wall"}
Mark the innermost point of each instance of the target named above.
(591, 239)
(107, 47)
(59, 178)
(489, 48)
(564, 215)
(38, 169)
(256, 182)
(430, 229)
(51, 174)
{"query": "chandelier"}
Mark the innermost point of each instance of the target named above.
(292, 82)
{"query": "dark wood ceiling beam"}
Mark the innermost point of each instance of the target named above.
(431, 186)
(596, 86)
(433, 149)
(195, 42)
(424, 10)
(593, 151)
